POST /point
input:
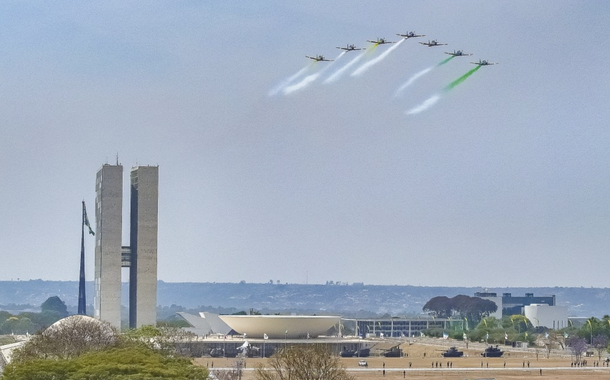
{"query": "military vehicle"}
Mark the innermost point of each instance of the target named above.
(453, 352)
(492, 352)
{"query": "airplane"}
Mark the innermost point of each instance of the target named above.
(350, 47)
(431, 43)
(319, 58)
(458, 53)
(410, 35)
(484, 63)
(380, 41)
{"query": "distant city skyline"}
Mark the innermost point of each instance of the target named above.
(411, 170)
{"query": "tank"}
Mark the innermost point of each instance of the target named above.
(345, 353)
(393, 352)
(492, 352)
(453, 352)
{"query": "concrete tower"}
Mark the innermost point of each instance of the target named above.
(140, 257)
(109, 228)
(143, 269)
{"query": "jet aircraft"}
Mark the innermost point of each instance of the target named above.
(458, 53)
(350, 47)
(410, 35)
(484, 63)
(381, 41)
(319, 58)
(431, 43)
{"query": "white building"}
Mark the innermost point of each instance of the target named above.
(553, 317)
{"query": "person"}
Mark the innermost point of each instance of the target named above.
(384, 373)
(410, 364)
(540, 371)
(404, 374)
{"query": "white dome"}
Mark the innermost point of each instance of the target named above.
(80, 321)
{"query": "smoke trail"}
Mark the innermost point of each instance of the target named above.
(413, 78)
(337, 74)
(420, 74)
(286, 82)
(302, 84)
(446, 60)
(359, 71)
(425, 105)
(310, 78)
(452, 85)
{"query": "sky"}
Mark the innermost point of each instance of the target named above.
(380, 175)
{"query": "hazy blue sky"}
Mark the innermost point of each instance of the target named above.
(503, 182)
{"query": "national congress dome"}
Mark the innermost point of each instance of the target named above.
(280, 326)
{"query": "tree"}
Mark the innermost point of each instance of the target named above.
(473, 308)
(577, 345)
(69, 338)
(303, 363)
(133, 363)
(600, 343)
(168, 339)
(440, 307)
(54, 305)
(80, 347)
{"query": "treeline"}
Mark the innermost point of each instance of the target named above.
(51, 310)
(471, 308)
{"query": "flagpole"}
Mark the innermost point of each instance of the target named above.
(82, 299)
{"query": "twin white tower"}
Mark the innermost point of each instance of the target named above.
(140, 256)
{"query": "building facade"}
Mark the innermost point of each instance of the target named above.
(140, 256)
(143, 239)
(109, 230)
(552, 317)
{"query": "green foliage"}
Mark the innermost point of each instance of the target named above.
(133, 363)
(473, 308)
(54, 305)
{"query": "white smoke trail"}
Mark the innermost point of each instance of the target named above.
(425, 105)
(285, 83)
(310, 78)
(302, 84)
(359, 71)
(413, 78)
(337, 74)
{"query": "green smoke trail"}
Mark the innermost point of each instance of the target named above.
(446, 60)
(461, 79)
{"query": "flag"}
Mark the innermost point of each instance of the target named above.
(505, 336)
(445, 335)
(86, 219)
(464, 336)
(265, 336)
(565, 335)
(546, 335)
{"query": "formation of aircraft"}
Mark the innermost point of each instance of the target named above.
(407, 35)
(381, 41)
(458, 53)
(350, 47)
(319, 58)
(432, 43)
(484, 63)
(410, 35)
